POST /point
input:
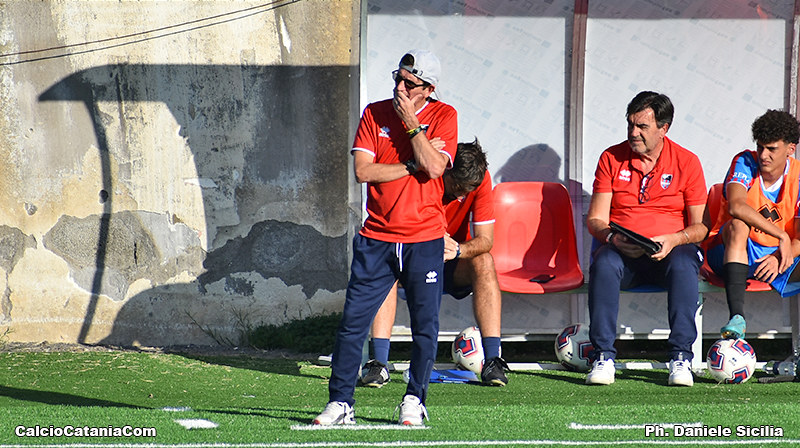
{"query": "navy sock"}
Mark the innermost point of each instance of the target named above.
(491, 348)
(380, 349)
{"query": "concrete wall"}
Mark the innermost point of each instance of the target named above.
(173, 171)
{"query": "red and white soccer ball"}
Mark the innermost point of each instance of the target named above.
(731, 361)
(573, 347)
(467, 350)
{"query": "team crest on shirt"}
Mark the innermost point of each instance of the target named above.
(384, 132)
(625, 175)
(666, 179)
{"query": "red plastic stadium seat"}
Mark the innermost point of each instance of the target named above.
(533, 235)
(714, 202)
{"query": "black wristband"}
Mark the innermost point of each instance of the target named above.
(413, 132)
(411, 166)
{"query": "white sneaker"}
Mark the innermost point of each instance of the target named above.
(336, 413)
(603, 371)
(412, 411)
(680, 373)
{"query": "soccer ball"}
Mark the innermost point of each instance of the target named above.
(573, 347)
(731, 361)
(467, 350)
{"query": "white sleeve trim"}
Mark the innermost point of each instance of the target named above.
(363, 150)
(449, 158)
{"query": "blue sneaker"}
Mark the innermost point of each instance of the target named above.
(734, 329)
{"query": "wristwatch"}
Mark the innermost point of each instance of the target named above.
(411, 166)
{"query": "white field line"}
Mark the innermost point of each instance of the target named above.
(408, 444)
(574, 425)
(197, 423)
(355, 427)
(176, 409)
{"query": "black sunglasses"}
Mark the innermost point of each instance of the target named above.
(409, 84)
(644, 196)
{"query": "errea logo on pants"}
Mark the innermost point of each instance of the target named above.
(430, 277)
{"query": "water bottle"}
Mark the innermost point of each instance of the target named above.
(781, 368)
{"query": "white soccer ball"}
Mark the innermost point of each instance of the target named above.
(731, 361)
(573, 347)
(467, 350)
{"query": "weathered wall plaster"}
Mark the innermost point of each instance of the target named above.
(168, 169)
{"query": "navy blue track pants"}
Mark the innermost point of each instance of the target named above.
(611, 271)
(375, 267)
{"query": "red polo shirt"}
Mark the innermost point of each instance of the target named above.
(675, 182)
(409, 209)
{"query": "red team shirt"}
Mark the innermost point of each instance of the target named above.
(479, 203)
(677, 182)
(419, 216)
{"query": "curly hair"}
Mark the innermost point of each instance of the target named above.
(469, 165)
(776, 125)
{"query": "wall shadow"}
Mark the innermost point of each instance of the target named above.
(241, 124)
(534, 163)
(57, 398)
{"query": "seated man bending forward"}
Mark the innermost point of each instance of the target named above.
(469, 266)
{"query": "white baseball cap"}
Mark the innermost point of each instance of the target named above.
(423, 64)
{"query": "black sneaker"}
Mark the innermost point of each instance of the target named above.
(493, 373)
(374, 374)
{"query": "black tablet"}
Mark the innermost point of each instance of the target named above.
(649, 246)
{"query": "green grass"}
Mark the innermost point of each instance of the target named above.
(314, 334)
(260, 401)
